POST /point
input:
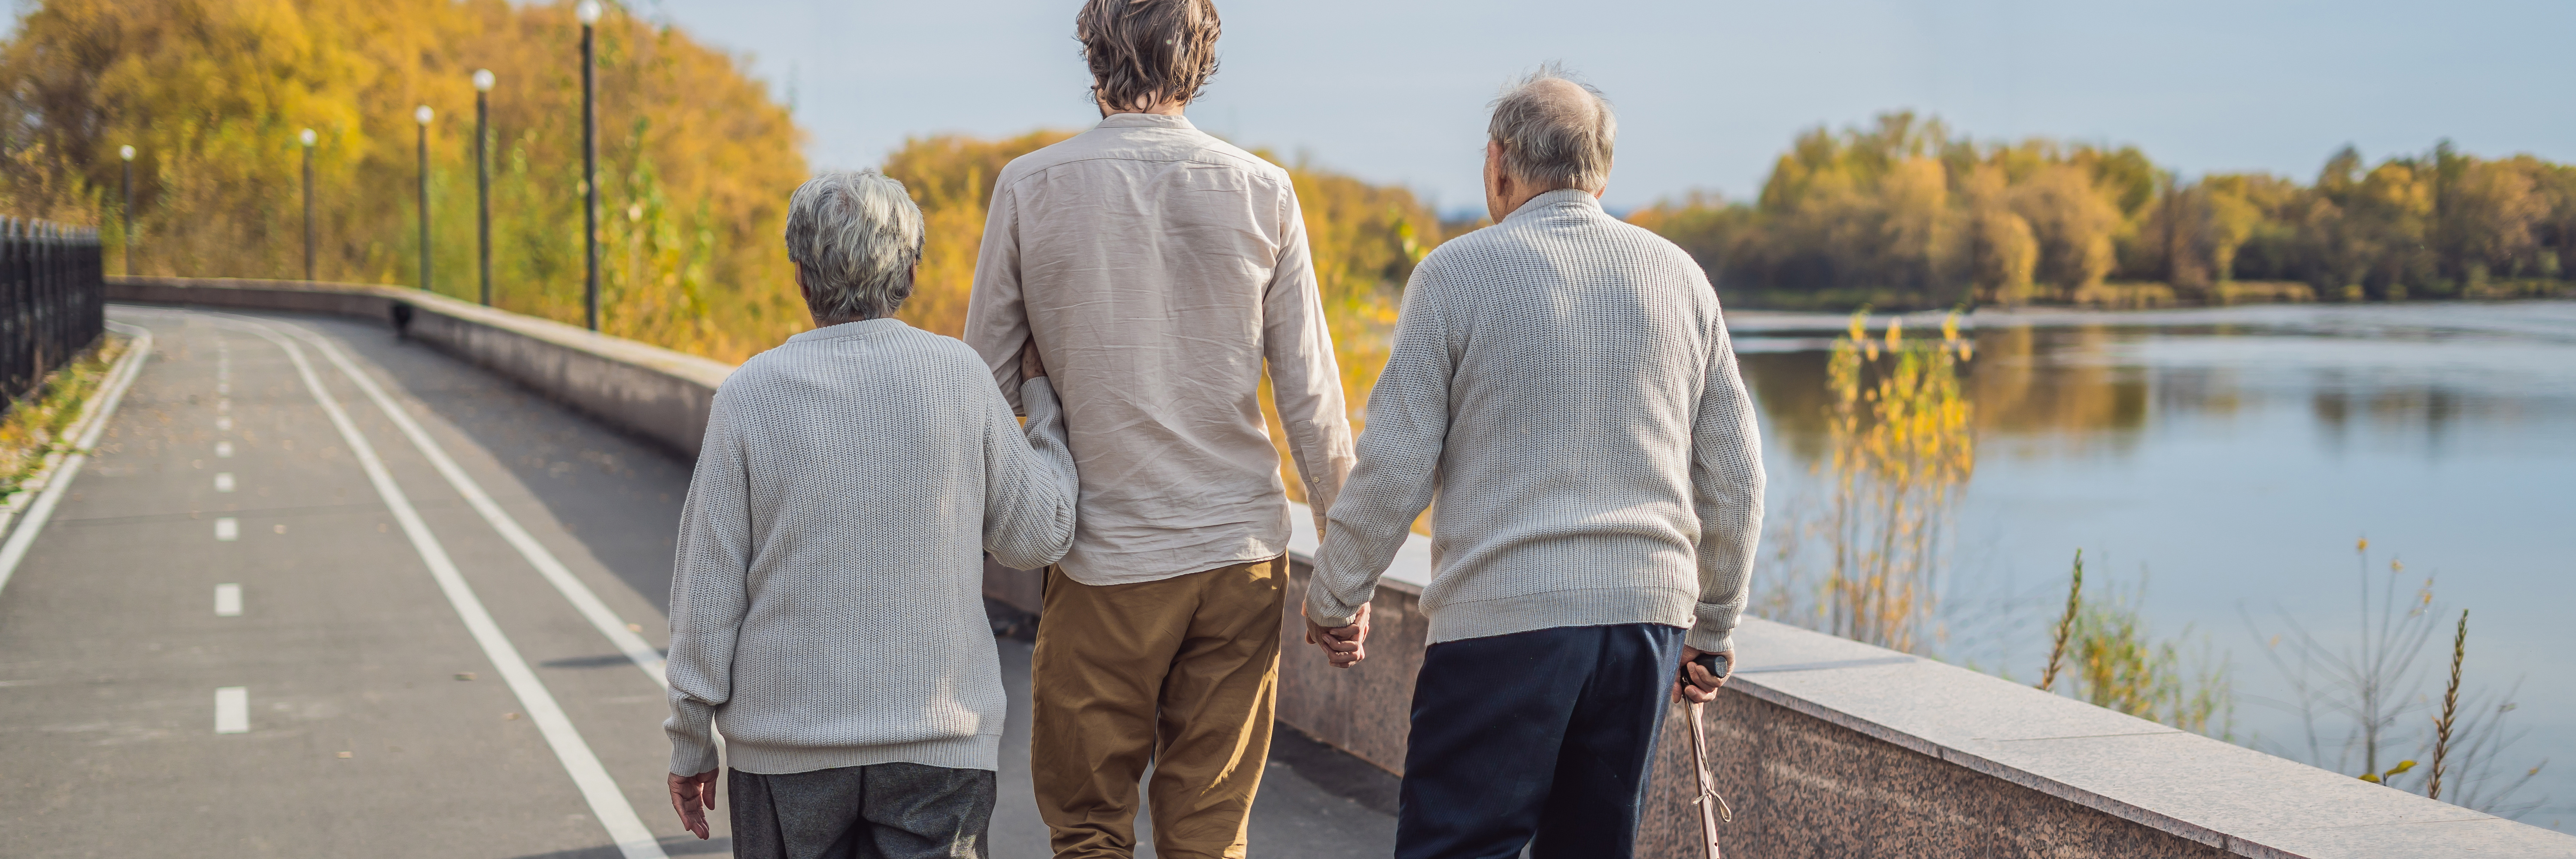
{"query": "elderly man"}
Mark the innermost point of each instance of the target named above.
(1562, 385)
(1160, 269)
(826, 606)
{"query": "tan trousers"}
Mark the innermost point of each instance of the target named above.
(1182, 674)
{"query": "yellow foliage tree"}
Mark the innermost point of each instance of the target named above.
(696, 160)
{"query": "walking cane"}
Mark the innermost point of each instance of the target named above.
(1712, 807)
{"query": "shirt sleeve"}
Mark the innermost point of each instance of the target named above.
(709, 591)
(997, 320)
(1726, 490)
(1305, 380)
(1399, 454)
(1030, 484)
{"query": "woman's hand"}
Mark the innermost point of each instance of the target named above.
(691, 796)
(1030, 366)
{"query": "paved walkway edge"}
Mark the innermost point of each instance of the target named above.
(57, 476)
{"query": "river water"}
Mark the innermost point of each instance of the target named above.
(2225, 462)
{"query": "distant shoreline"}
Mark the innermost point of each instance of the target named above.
(1928, 322)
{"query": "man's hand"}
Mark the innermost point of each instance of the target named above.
(1695, 685)
(691, 796)
(1030, 366)
(1344, 646)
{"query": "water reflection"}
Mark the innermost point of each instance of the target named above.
(2229, 459)
(2095, 388)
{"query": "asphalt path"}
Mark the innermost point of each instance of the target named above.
(323, 592)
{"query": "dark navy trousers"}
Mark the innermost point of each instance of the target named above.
(1538, 739)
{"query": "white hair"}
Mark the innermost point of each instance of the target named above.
(854, 236)
(1555, 130)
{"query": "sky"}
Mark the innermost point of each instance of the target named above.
(1708, 93)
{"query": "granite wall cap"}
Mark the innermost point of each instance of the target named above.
(2195, 787)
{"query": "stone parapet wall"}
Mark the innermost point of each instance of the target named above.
(649, 392)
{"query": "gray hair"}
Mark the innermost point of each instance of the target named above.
(854, 237)
(1555, 130)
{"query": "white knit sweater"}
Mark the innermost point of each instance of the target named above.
(1563, 384)
(826, 601)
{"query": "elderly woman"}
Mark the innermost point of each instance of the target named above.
(826, 609)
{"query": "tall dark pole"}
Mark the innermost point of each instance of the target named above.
(424, 115)
(588, 12)
(125, 214)
(483, 179)
(309, 140)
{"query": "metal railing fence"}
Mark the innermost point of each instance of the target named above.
(52, 300)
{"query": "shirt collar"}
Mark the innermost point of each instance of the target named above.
(1559, 198)
(1146, 120)
(860, 328)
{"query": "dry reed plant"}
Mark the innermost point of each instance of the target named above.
(1901, 449)
(2372, 684)
(2450, 716)
(2118, 663)
(2065, 626)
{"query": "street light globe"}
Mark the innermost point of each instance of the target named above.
(588, 12)
(422, 115)
(483, 80)
(309, 138)
(127, 152)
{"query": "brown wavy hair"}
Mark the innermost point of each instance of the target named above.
(1143, 51)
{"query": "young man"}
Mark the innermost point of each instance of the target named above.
(826, 609)
(1160, 269)
(1563, 384)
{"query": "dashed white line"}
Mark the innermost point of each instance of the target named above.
(607, 803)
(232, 710)
(223, 481)
(227, 529)
(228, 600)
(223, 450)
(225, 424)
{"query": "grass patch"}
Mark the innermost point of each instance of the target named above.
(36, 426)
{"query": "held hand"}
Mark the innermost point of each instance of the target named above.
(1695, 684)
(1030, 366)
(692, 796)
(1344, 646)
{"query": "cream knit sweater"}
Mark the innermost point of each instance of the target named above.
(826, 601)
(1563, 384)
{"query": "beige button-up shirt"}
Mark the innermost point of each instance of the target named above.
(1158, 268)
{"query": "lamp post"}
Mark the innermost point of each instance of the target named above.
(588, 12)
(125, 215)
(308, 138)
(423, 116)
(483, 179)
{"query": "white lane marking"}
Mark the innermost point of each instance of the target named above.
(224, 405)
(225, 424)
(223, 388)
(232, 710)
(228, 600)
(583, 599)
(223, 481)
(607, 803)
(94, 415)
(227, 529)
(223, 450)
